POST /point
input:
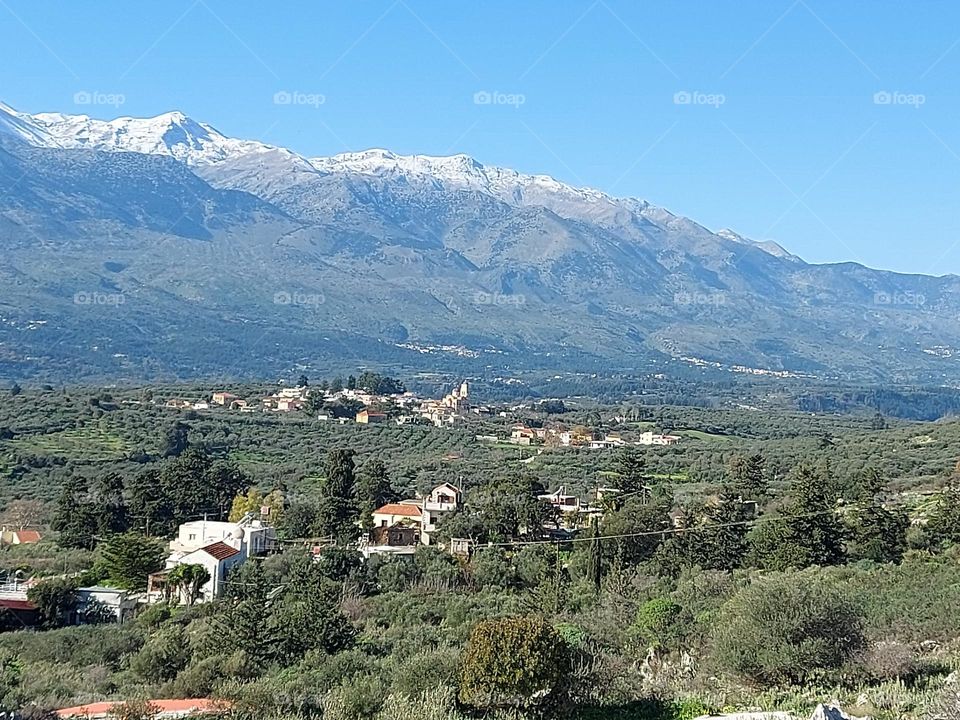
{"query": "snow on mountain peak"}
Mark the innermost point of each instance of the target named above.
(22, 128)
(249, 164)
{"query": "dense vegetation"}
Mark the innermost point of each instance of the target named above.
(771, 560)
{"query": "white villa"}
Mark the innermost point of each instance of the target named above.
(218, 547)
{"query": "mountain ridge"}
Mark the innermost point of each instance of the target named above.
(210, 239)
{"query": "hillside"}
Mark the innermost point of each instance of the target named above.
(134, 248)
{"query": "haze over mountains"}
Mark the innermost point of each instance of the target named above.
(161, 248)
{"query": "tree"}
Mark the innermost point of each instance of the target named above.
(351, 383)
(303, 381)
(175, 440)
(807, 533)
(379, 384)
(24, 513)
(188, 579)
(336, 385)
(501, 510)
(109, 506)
(374, 490)
(150, 506)
(338, 511)
(876, 532)
(163, 655)
(746, 478)
(658, 623)
(255, 502)
(518, 663)
(639, 529)
(633, 478)
(55, 600)
(311, 620)
(943, 526)
(713, 537)
(15, 389)
(74, 519)
(128, 559)
(787, 629)
(188, 486)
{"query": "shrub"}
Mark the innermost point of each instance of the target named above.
(517, 663)
(658, 623)
(786, 630)
(890, 660)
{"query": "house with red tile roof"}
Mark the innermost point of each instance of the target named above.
(218, 547)
(399, 527)
(19, 537)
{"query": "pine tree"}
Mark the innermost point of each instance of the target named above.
(807, 532)
(633, 478)
(176, 440)
(746, 478)
(129, 558)
(338, 509)
(374, 490)
(74, 518)
(943, 527)
(109, 505)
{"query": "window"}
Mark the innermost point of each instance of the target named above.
(193, 536)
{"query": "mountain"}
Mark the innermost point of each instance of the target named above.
(160, 247)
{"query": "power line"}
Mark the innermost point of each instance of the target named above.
(666, 531)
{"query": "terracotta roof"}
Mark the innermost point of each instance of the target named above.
(164, 707)
(28, 536)
(12, 604)
(399, 509)
(220, 550)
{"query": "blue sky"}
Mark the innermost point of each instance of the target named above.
(828, 127)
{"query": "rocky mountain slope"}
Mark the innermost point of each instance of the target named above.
(160, 247)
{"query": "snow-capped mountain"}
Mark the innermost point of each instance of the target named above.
(22, 128)
(256, 167)
(220, 247)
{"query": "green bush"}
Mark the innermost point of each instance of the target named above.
(787, 629)
(517, 663)
(658, 623)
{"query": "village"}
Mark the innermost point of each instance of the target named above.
(352, 404)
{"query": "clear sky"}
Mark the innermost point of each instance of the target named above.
(830, 127)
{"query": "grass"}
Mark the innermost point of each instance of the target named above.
(701, 435)
(90, 443)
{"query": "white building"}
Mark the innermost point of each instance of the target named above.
(560, 500)
(650, 438)
(120, 604)
(218, 547)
